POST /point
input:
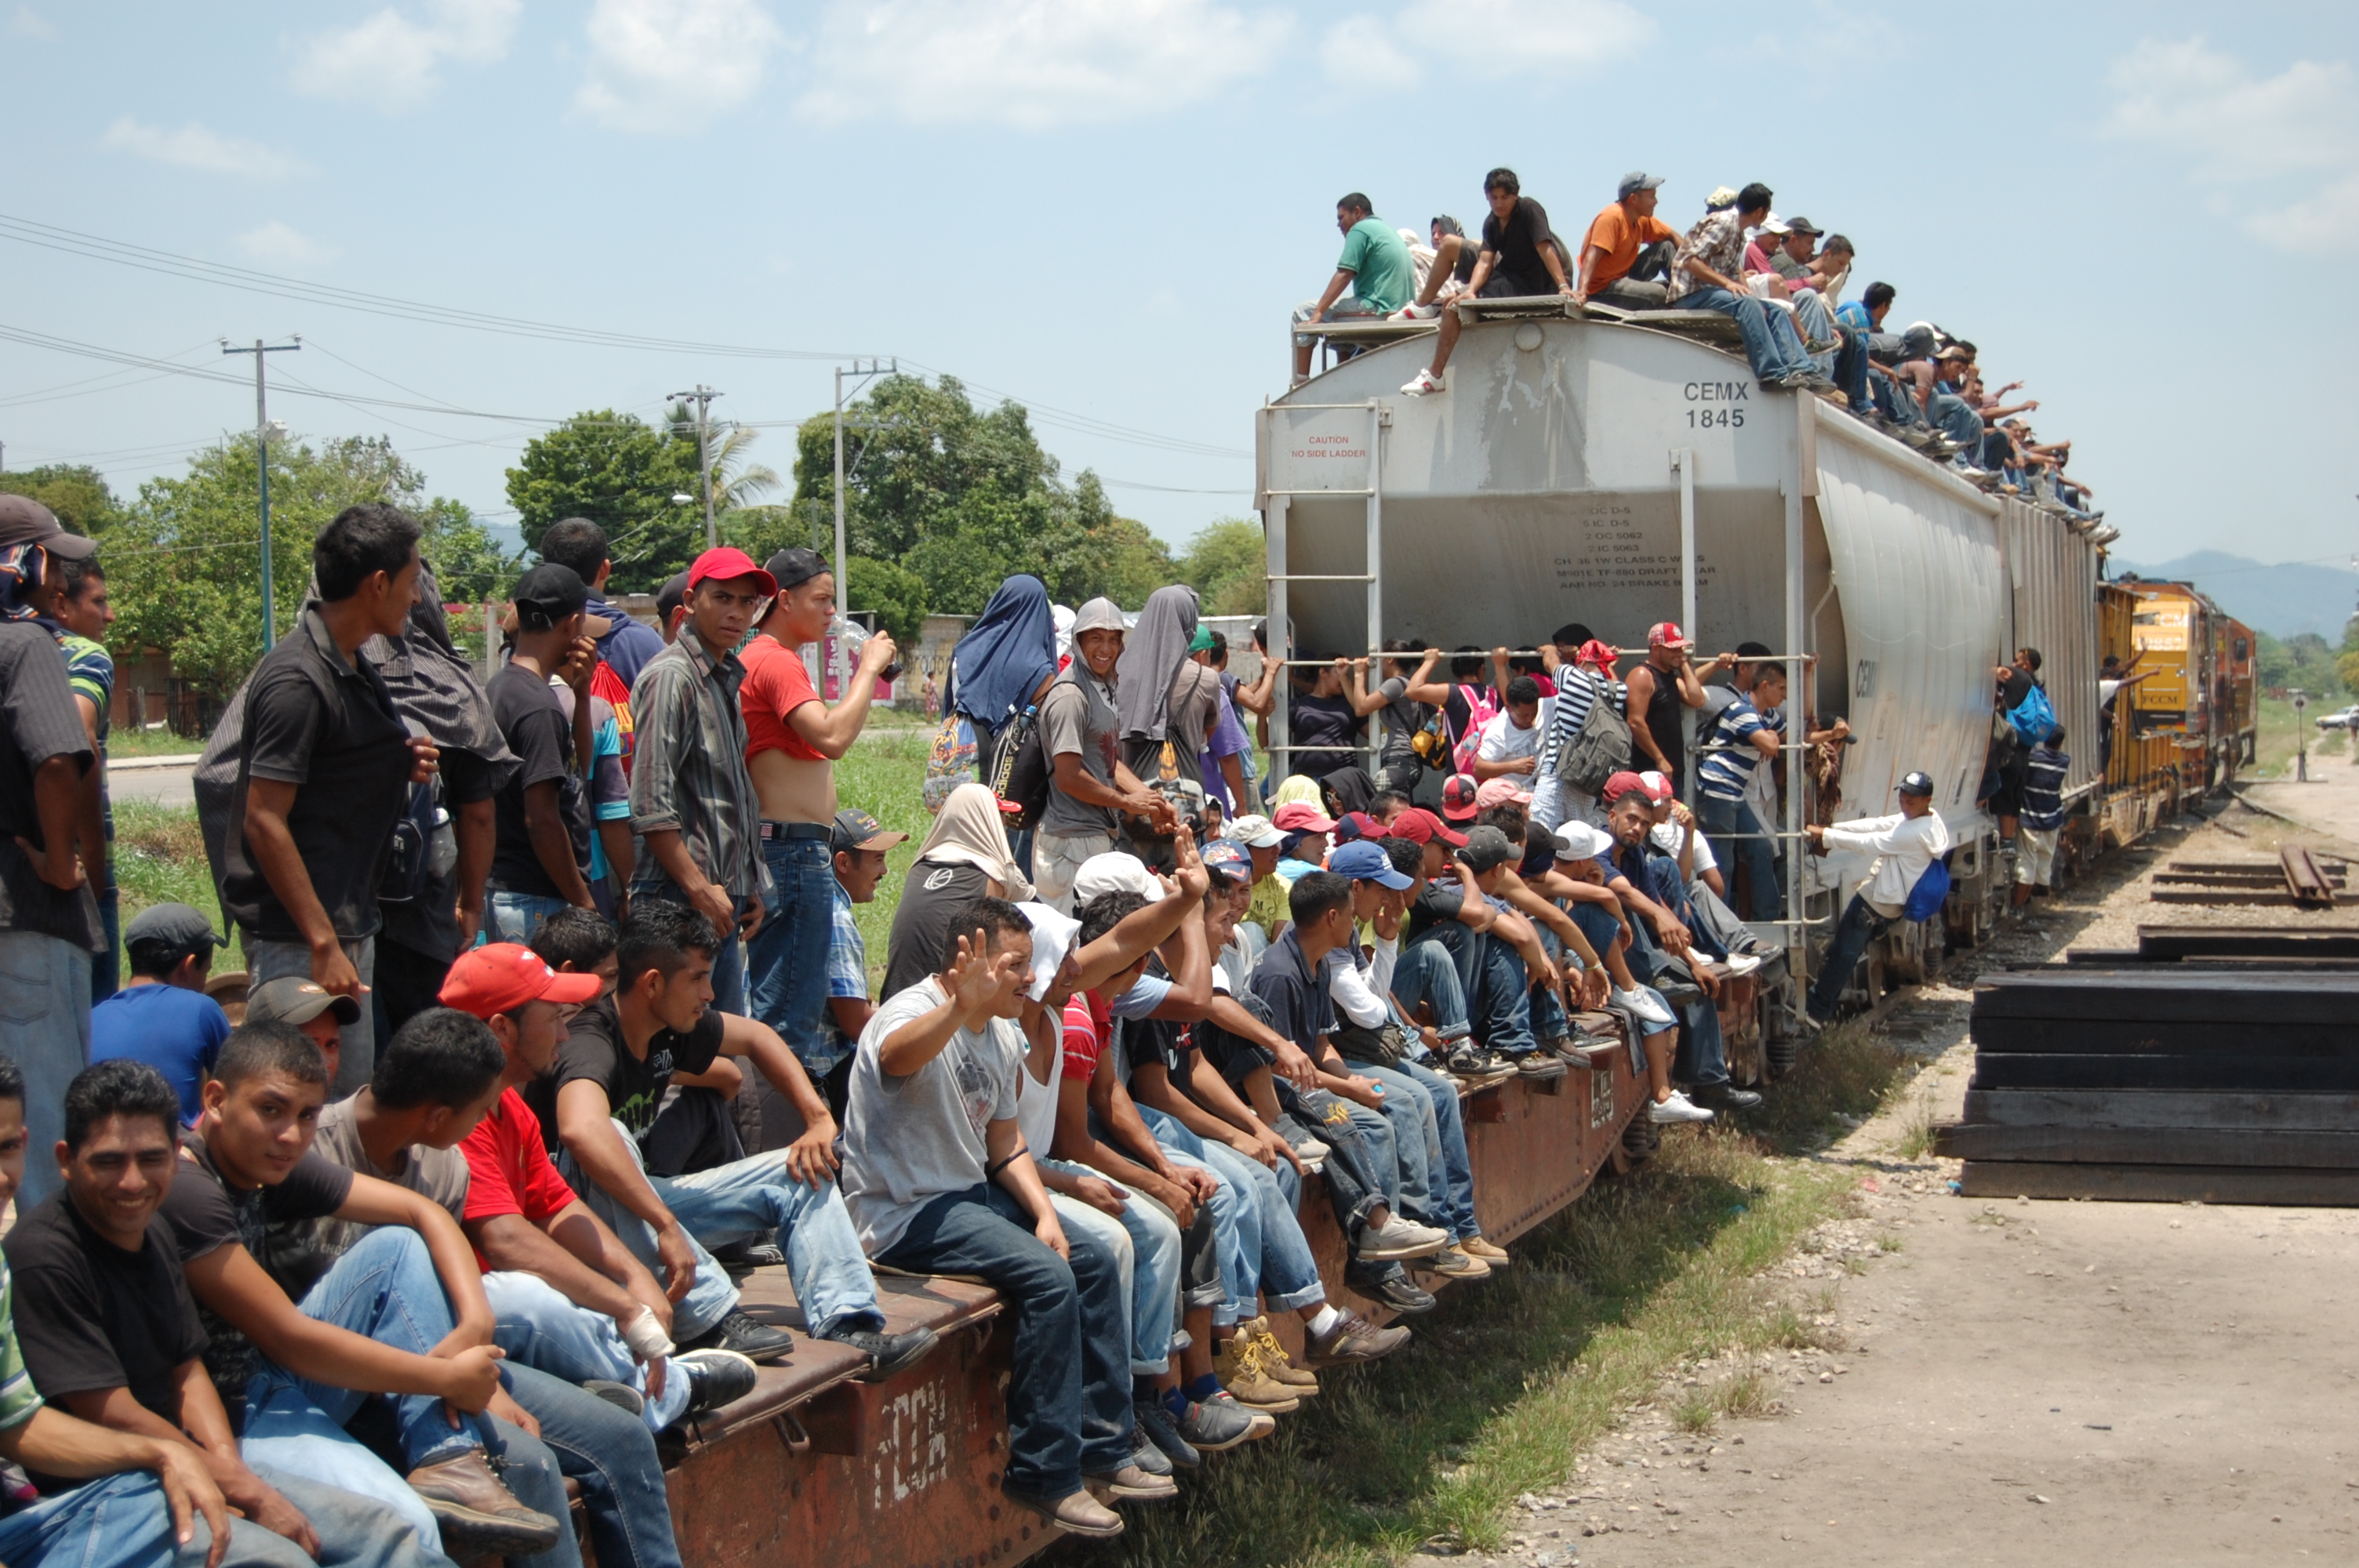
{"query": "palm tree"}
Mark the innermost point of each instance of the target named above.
(736, 482)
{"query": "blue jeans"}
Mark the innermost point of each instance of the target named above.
(1263, 1250)
(1068, 1386)
(44, 1028)
(515, 916)
(1702, 1055)
(785, 963)
(1453, 1172)
(1417, 1142)
(728, 965)
(1949, 415)
(1148, 1251)
(738, 1200)
(123, 1521)
(1733, 823)
(354, 1531)
(1427, 972)
(1860, 925)
(384, 1288)
(1491, 976)
(1771, 344)
(541, 1327)
(613, 1456)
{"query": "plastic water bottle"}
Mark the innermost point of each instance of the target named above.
(854, 636)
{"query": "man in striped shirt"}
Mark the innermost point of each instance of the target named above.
(1746, 734)
(2042, 816)
(1578, 681)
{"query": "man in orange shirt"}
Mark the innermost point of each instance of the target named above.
(793, 739)
(1628, 251)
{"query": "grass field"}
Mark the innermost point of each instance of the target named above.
(2282, 735)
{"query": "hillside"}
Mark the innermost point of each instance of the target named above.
(2283, 600)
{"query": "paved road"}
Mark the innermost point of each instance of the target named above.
(165, 786)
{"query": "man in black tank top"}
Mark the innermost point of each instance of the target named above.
(1658, 689)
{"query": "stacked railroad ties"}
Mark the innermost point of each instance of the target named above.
(2213, 1065)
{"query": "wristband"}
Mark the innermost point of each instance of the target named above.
(645, 1336)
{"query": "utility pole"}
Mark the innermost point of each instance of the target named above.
(261, 353)
(843, 582)
(702, 398)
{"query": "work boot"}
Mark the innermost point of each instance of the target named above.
(1236, 1362)
(1454, 1262)
(1132, 1484)
(1276, 1362)
(1495, 1256)
(1352, 1337)
(474, 1505)
(1076, 1513)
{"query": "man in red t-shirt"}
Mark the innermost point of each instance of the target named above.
(568, 1296)
(793, 739)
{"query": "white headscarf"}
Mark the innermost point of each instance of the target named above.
(1052, 937)
(967, 833)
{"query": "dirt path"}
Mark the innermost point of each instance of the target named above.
(2019, 1382)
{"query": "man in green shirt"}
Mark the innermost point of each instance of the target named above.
(1374, 265)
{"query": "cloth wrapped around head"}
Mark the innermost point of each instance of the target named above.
(967, 833)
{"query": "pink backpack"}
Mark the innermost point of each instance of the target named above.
(1479, 710)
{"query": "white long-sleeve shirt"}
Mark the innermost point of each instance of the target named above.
(1359, 993)
(1903, 847)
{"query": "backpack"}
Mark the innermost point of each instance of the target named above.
(1932, 890)
(1019, 770)
(2032, 718)
(1601, 749)
(1717, 700)
(424, 845)
(604, 683)
(951, 763)
(1431, 746)
(1481, 708)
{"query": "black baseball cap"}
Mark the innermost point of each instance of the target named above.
(173, 925)
(855, 829)
(547, 594)
(1486, 847)
(25, 521)
(1916, 784)
(668, 597)
(796, 565)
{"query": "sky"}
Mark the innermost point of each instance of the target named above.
(1105, 209)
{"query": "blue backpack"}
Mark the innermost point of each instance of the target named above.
(2033, 717)
(1933, 889)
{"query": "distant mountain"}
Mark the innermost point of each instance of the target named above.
(2283, 600)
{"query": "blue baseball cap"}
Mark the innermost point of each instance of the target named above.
(1364, 861)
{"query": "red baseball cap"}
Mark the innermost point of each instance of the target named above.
(1458, 802)
(1622, 784)
(1301, 816)
(1593, 652)
(504, 976)
(1658, 788)
(1420, 825)
(729, 563)
(1666, 634)
(1358, 824)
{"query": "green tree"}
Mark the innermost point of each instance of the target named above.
(621, 473)
(897, 596)
(964, 497)
(1228, 566)
(184, 563)
(78, 495)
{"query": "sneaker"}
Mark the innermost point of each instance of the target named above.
(1415, 313)
(1276, 1362)
(1740, 964)
(1215, 1426)
(1644, 1008)
(1263, 1423)
(742, 1255)
(1146, 1456)
(1397, 1238)
(1477, 1065)
(1236, 1362)
(1454, 1262)
(622, 1396)
(715, 1377)
(475, 1507)
(889, 1354)
(756, 1341)
(1077, 1513)
(1132, 1484)
(1405, 1295)
(1426, 381)
(1726, 1097)
(1156, 1424)
(1313, 1155)
(1352, 1337)
(1495, 1256)
(1679, 1107)
(1539, 1065)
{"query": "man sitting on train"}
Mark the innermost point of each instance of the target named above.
(1709, 276)
(1375, 267)
(1626, 258)
(1520, 258)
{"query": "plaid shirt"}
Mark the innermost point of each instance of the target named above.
(847, 976)
(688, 764)
(1719, 243)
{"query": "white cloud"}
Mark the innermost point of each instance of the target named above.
(1515, 38)
(279, 245)
(30, 23)
(194, 146)
(1031, 63)
(393, 62)
(2282, 151)
(667, 65)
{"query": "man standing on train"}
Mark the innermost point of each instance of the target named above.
(1904, 844)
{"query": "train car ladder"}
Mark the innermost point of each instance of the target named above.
(1275, 506)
